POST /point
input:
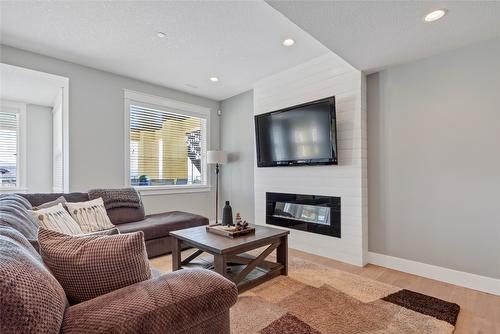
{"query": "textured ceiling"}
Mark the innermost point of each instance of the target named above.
(33, 87)
(371, 35)
(240, 42)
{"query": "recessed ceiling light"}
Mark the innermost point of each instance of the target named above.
(435, 15)
(161, 34)
(288, 42)
(214, 79)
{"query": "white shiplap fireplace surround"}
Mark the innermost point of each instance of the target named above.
(322, 77)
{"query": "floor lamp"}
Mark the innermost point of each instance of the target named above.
(216, 158)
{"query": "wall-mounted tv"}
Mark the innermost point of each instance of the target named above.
(304, 134)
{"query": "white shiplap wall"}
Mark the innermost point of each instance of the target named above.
(322, 77)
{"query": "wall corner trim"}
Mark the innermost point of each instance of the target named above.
(460, 278)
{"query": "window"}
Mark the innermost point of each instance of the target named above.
(12, 131)
(167, 142)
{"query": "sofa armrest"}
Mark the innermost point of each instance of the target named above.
(170, 303)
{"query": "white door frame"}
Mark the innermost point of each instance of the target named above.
(64, 84)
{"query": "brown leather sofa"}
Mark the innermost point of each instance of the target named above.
(33, 301)
(156, 227)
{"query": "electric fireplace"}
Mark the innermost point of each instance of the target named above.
(310, 213)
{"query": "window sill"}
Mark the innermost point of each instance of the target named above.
(13, 190)
(168, 190)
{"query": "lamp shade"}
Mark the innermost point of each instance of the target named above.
(216, 157)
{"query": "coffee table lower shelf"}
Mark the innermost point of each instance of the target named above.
(256, 276)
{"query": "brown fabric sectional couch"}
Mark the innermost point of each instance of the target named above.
(33, 301)
(156, 227)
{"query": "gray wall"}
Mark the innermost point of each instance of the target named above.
(237, 138)
(434, 160)
(39, 148)
(96, 127)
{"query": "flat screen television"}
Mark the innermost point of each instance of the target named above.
(304, 134)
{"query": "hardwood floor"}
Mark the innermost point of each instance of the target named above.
(479, 313)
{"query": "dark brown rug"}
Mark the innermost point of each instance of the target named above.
(424, 304)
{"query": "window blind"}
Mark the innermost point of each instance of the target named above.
(9, 129)
(166, 147)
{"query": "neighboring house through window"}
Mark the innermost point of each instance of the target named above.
(12, 146)
(167, 143)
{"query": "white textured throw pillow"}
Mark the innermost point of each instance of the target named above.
(56, 218)
(91, 215)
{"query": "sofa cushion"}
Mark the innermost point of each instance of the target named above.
(126, 215)
(38, 199)
(46, 205)
(159, 225)
(56, 218)
(187, 301)
(117, 198)
(92, 265)
(31, 299)
(116, 215)
(90, 215)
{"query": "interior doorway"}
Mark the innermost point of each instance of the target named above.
(34, 131)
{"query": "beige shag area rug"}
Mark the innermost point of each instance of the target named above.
(317, 299)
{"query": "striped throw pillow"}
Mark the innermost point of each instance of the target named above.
(56, 218)
(90, 215)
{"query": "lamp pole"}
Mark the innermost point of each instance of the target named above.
(216, 158)
(216, 193)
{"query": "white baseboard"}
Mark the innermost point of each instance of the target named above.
(467, 280)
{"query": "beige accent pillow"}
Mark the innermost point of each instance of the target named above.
(56, 218)
(92, 265)
(90, 215)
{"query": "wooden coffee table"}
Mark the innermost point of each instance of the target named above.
(229, 257)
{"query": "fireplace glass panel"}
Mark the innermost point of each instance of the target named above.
(311, 213)
(303, 212)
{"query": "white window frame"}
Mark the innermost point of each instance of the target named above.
(20, 109)
(156, 102)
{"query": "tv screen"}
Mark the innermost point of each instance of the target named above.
(300, 135)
